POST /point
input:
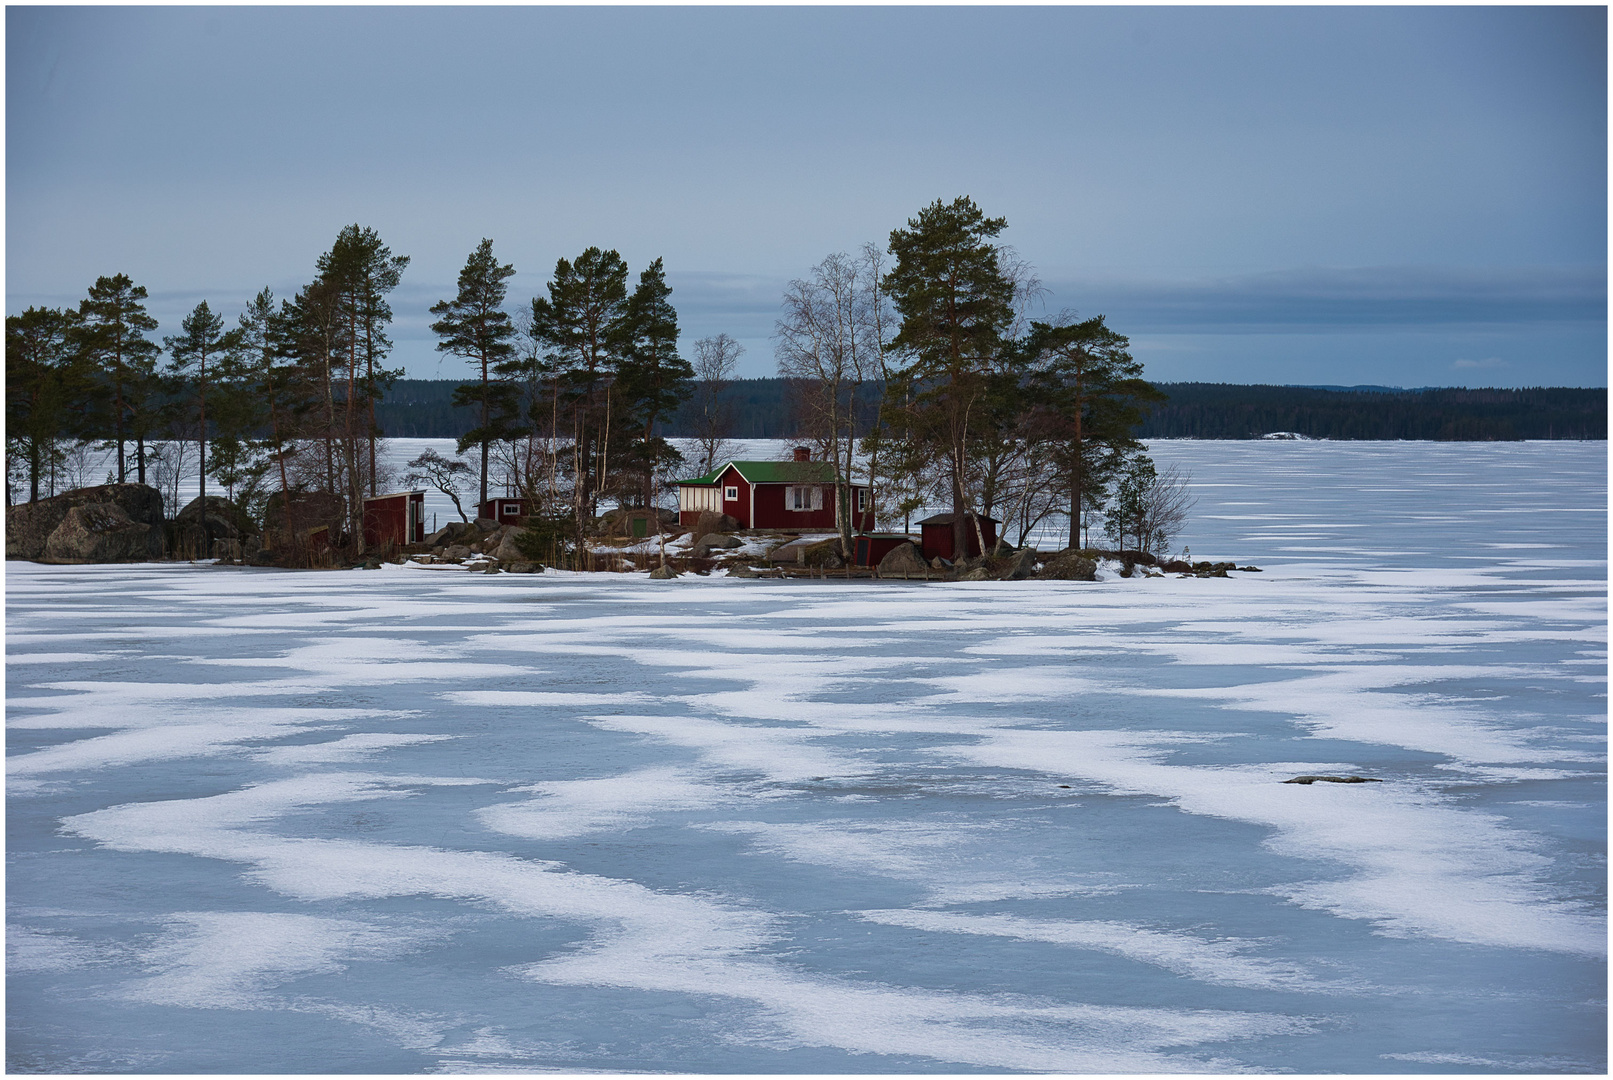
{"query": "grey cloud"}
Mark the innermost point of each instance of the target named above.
(1298, 300)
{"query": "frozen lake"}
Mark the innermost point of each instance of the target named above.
(416, 821)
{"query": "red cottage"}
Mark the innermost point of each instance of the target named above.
(396, 519)
(937, 532)
(795, 496)
(505, 511)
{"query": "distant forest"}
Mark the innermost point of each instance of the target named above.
(420, 408)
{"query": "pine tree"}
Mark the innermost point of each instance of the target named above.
(956, 305)
(360, 271)
(475, 326)
(202, 339)
(584, 327)
(1090, 396)
(653, 379)
(47, 388)
(111, 331)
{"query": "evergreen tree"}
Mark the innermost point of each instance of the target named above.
(653, 380)
(956, 304)
(201, 339)
(583, 327)
(47, 390)
(360, 271)
(1090, 396)
(111, 331)
(475, 326)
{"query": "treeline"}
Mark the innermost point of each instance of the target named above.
(914, 369)
(1225, 411)
(761, 409)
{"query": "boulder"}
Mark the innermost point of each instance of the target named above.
(1176, 566)
(903, 561)
(1068, 566)
(485, 524)
(741, 570)
(223, 517)
(456, 551)
(508, 549)
(213, 527)
(979, 573)
(1334, 780)
(1021, 565)
(100, 533)
(29, 525)
(824, 555)
(450, 533)
(710, 521)
(309, 510)
(526, 568)
(716, 540)
(663, 573)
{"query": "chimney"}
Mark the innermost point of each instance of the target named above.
(802, 453)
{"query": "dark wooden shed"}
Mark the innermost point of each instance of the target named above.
(398, 518)
(937, 534)
(869, 548)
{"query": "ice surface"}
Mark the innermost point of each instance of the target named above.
(398, 822)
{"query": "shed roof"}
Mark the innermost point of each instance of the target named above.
(948, 519)
(772, 472)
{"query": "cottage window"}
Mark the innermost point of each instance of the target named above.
(731, 494)
(803, 498)
(512, 509)
(862, 499)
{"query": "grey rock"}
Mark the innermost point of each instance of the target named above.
(741, 570)
(98, 533)
(1068, 566)
(29, 525)
(456, 551)
(526, 568)
(1334, 780)
(903, 561)
(219, 515)
(663, 573)
(485, 524)
(979, 573)
(1021, 565)
(508, 549)
(450, 533)
(717, 540)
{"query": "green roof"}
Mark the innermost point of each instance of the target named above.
(773, 472)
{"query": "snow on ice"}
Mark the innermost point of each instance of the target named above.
(264, 821)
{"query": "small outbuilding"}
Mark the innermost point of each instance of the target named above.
(794, 496)
(398, 518)
(938, 536)
(505, 511)
(869, 548)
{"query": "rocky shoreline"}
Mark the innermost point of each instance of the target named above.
(124, 523)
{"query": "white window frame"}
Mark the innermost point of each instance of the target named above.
(730, 494)
(797, 494)
(862, 500)
(509, 508)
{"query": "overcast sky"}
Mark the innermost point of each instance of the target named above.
(1396, 196)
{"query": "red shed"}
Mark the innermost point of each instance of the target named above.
(795, 496)
(937, 533)
(869, 548)
(505, 511)
(398, 519)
